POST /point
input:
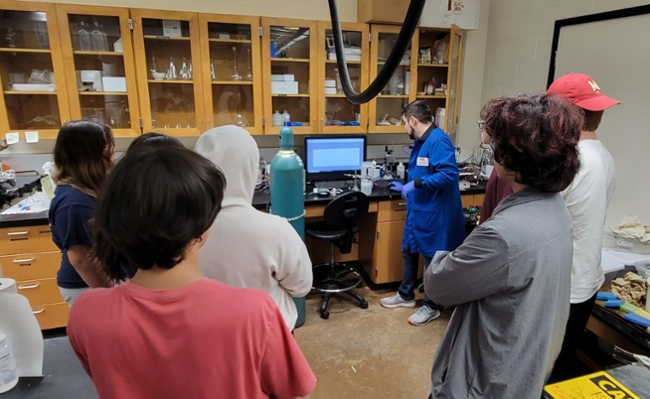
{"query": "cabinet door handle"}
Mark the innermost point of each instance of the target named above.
(28, 287)
(378, 234)
(18, 233)
(401, 204)
(39, 311)
(23, 260)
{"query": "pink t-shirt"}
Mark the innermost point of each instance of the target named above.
(204, 340)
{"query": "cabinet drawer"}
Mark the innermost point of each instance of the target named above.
(21, 240)
(31, 266)
(52, 316)
(391, 210)
(40, 292)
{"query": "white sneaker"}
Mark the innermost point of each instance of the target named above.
(424, 316)
(396, 301)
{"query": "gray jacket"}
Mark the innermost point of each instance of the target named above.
(510, 281)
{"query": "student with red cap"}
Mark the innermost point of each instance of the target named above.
(587, 199)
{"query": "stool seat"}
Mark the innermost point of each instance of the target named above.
(326, 232)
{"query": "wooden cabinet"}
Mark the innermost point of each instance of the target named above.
(32, 85)
(232, 71)
(388, 255)
(28, 255)
(336, 114)
(100, 75)
(290, 52)
(170, 88)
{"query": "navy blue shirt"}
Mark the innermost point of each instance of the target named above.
(70, 212)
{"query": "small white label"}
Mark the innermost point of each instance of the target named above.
(31, 137)
(171, 28)
(423, 161)
(224, 36)
(12, 138)
(624, 244)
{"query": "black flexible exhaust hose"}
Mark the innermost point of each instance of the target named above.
(392, 63)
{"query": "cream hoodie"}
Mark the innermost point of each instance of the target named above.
(246, 247)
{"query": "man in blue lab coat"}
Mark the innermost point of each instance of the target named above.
(434, 212)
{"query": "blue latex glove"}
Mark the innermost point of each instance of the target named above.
(396, 186)
(407, 188)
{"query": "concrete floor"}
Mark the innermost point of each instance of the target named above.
(369, 353)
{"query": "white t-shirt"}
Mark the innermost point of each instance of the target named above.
(587, 199)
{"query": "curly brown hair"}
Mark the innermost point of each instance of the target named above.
(536, 137)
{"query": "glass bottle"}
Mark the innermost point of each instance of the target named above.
(213, 73)
(400, 87)
(184, 73)
(249, 75)
(171, 71)
(235, 72)
(85, 43)
(98, 38)
(11, 38)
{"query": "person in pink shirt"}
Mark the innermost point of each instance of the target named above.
(169, 332)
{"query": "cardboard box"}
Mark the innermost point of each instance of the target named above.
(284, 87)
(382, 11)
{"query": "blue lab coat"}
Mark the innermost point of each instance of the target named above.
(434, 212)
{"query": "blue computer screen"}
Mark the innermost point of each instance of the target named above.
(335, 154)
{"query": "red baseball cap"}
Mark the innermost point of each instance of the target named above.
(582, 91)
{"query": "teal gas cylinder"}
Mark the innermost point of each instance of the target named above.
(287, 194)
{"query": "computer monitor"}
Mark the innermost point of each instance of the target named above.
(332, 157)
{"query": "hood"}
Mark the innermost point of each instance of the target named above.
(235, 152)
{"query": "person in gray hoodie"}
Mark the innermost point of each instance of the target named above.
(510, 280)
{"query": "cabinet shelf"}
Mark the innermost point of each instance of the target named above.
(244, 41)
(24, 50)
(347, 62)
(401, 63)
(152, 37)
(392, 96)
(164, 81)
(300, 60)
(433, 65)
(289, 95)
(111, 53)
(103, 93)
(233, 82)
(432, 97)
(334, 95)
(19, 92)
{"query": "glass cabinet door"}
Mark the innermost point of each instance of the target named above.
(386, 108)
(33, 93)
(455, 65)
(100, 73)
(289, 56)
(433, 72)
(336, 113)
(168, 64)
(231, 66)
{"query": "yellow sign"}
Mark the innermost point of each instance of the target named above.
(593, 386)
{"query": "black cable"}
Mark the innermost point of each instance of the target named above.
(392, 63)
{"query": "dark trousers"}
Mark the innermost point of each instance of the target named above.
(567, 365)
(410, 266)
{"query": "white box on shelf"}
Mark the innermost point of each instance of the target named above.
(330, 83)
(284, 87)
(115, 84)
(277, 78)
(289, 77)
(34, 86)
(330, 90)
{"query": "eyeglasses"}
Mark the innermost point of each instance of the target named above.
(481, 124)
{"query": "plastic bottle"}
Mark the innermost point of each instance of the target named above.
(278, 119)
(85, 44)
(400, 171)
(8, 374)
(98, 38)
(286, 117)
(274, 50)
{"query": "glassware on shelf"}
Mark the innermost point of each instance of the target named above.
(171, 71)
(213, 73)
(235, 72)
(185, 73)
(42, 35)
(85, 42)
(240, 121)
(11, 39)
(400, 87)
(249, 75)
(98, 38)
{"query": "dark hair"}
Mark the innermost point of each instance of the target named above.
(420, 110)
(155, 203)
(592, 120)
(535, 136)
(154, 140)
(79, 154)
(487, 106)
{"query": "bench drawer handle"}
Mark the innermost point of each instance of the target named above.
(18, 233)
(28, 287)
(23, 260)
(39, 311)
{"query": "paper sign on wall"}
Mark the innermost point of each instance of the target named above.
(172, 28)
(12, 138)
(31, 137)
